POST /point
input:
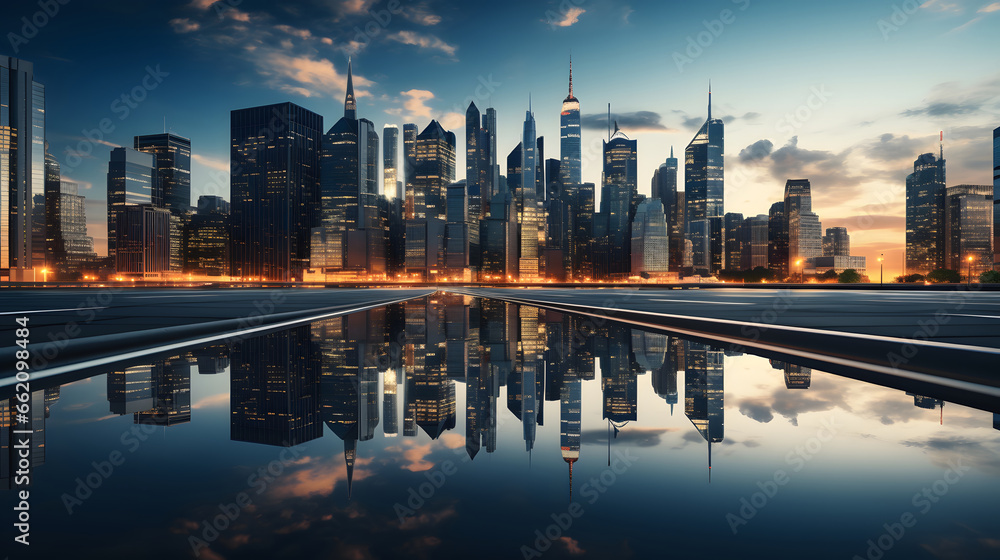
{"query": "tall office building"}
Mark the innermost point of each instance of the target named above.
(71, 247)
(457, 230)
(664, 187)
(650, 240)
(409, 168)
(753, 242)
(22, 158)
(132, 180)
(351, 234)
(996, 198)
(570, 137)
(391, 185)
(570, 424)
(274, 189)
(527, 198)
(173, 168)
(489, 132)
(805, 238)
(733, 234)
(969, 229)
(475, 164)
(925, 202)
(143, 240)
(206, 238)
(836, 242)
(704, 189)
(619, 198)
(777, 238)
(704, 394)
(434, 171)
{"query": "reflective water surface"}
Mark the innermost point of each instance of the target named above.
(454, 427)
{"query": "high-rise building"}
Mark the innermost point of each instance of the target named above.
(434, 171)
(206, 238)
(664, 187)
(489, 133)
(836, 242)
(22, 158)
(703, 392)
(69, 246)
(753, 242)
(570, 137)
(733, 234)
(457, 230)
(475, 164)
(132, 180)
(274, 189)
(704, 189)
(996, 198)
(805, 238)
(777, 239)
(619, 199)
(173, 168)
(143, 240)
(409, 168)
(391, 185)
(351, 234)
(527, 198)
(650, 240)
(925, 211)
(969, 229)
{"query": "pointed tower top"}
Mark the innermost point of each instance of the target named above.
(350, 103)
(710, 100)
(570, 98)
(671, 157)
(571, 481)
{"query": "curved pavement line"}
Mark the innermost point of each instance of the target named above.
(105, 360)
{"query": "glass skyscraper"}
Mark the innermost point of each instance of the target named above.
(132, 180)
(409, 168)
(805, 237)
(173, 168)
(996, 200)
(22, 163)
(489, 131)
(969, 228)
(527, 201)
(570, 137)
(619, 197)
(391, 185)
(925, 213)
(650, 239)
(704, 188)
(274, 189)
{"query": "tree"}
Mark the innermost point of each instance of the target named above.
(990, 277)
(760, 274)
(944, 276)
(829, 275)
(849, 276)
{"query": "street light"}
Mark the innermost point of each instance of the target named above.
(798, 263)
(968, 278)
(45, 275)
(881, 258)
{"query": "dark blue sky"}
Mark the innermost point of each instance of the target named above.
(874, 80)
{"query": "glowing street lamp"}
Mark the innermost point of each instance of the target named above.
(881, 258)
(798, 263)
(968, 278)
(45, 274)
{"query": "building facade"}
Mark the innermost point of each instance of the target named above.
(704, 179)
(925, 215)
(968, 224)
(173, 168)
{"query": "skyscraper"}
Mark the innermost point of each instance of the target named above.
(969, 228)
(777, 239)
(528, 214)
(925, 201)
(409, 168)
(805, 238)
(391, 185)
(836, 242)
(143, 240)
(733, 224)
(664, 187)
(489, 132)
(274, 189)
(173, 168)
(650, 240)
(996, 197)
(434, 171)
(475, 166)
(619, 198)
(22, 158)
(570, 137)
(132, 180)
(351, 235)
(753, 242)
(206, 238)
(704, 188)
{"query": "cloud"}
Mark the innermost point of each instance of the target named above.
(952, 99)
(636, 121)
(890, 147)
(184, 25)
(566, 18)
(994, 7)
(756, 151)
(306, 76)
(791, 161)
(213, 401)
(319, 477)
(693, 123)
(868, 222)
(355, 7)
(415, 104)
(756, 411)
(421, 14)
(211, 163)
(425, 42)
(572, 545)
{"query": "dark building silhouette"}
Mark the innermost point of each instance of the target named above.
(664, 188)
(925, 215)
(274, 189)
(703, 393)
(777, 239)
(704, 192)
(619, 199)
(206, 238)
(173, 168)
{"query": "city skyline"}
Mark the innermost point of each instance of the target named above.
(314, 76)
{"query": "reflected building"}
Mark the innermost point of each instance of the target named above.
(130, 390)
(274, 389)
(703, 393)
(570, 424)
(797, 377)
(429, 392)
(171, 403)
(618, 377)
(664, 378)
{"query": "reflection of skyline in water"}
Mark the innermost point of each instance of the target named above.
(397, 367)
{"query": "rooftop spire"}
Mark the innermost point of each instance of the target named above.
(571, 75)
(350, 103)
(710, 100)
(671, 157)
